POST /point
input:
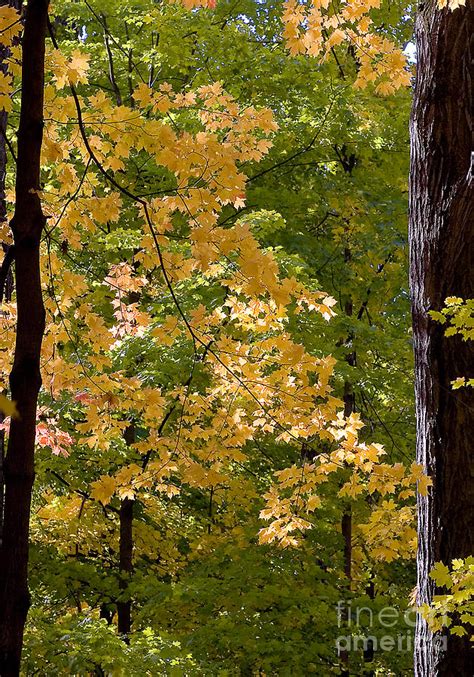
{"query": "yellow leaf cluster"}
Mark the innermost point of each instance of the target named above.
(390, 532)
(191, 4)
(10, 29)
(66, 70)
(451, 4)
(255, 378)
(316, 28)
(453, 609)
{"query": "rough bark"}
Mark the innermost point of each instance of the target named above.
(25, 379)
(442, 265)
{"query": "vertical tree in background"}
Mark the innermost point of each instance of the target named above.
(25, 379)
(442, 263)
(6, 278)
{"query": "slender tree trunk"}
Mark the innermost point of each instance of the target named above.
(25, 379)
(442, 265)
(346, 520)
(124, 608)
(3, 216)
(6, 277)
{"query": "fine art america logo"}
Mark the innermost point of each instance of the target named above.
(395, 629)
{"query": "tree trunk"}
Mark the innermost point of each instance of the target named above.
(25, 379)
(6, 277)
(442, 265)
(346, 520)
(124, 607)
(3, 216)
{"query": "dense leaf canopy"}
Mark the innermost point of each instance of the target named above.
(227, 345)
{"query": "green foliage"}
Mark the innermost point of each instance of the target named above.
(81, 643)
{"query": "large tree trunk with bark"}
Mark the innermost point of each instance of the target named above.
(25, 379)
(442, 265)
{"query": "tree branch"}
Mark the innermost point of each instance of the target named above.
(5, 268)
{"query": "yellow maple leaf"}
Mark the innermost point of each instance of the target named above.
(10, 24)
(103, 489)
(313, 503)
(440, 574)
(78, 66)
(5, 103)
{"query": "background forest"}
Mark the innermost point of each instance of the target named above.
(226, 432)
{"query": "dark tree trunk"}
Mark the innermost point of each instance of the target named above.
(6, 277)
(25, 379)
(3, 216)
(124, 607)
(442, 265)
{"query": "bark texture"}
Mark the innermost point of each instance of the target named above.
(25, 379)
(442, 265)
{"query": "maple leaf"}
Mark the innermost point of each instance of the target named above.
(441, 575)
(103, 489)
(10, 24)
(49, 435)
(78, 66)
